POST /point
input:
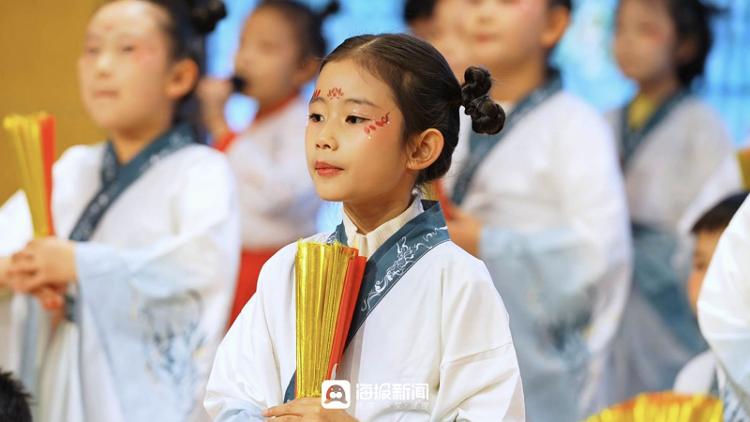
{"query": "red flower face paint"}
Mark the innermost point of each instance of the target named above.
(315, 95)
(335, 93)
(384, 120)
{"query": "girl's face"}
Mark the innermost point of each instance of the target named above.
(269, 57)
(354, 139)
(645, 40)
(124, 70)
(505, 32)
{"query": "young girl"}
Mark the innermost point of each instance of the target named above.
(279, 52)
(438, 321)
(543, 205)
(678, 161)
(148, 226)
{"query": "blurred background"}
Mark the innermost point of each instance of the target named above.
(42, 39)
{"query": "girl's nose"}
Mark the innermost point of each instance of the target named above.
(326, 140)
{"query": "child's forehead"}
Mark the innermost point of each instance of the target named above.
(351, 75)
(133, 17)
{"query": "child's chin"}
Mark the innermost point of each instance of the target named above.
(329, 193)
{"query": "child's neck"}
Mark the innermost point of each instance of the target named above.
(657, 90)
(371, 214)
(129, 142)
(517, 81)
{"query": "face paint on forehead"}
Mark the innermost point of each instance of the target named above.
(335, 93)
(371, 128)
(315, 95)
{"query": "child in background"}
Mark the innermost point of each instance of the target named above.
(387, 120)
(542, 204)
(724, 314)
(677, 160)
(699, 375)
(14, 405)
(439, 23)
(149, 233)
(279, 53)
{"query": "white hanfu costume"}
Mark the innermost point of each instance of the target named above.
(157, 253)
(724, 314)
(427, 317)
(677, 165)
(549, 194)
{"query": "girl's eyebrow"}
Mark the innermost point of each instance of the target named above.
(358, 101)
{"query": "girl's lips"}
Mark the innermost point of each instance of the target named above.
(324, 169)
(105, 93)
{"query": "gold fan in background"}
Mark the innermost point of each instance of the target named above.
(33, 141)
(328, 278)
(664, 407)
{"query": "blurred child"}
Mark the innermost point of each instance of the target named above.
(677, 160)
(439, 23)
(14, 405)
(149, 232)
(699, 375)
(427, 312)
(543, 205)
(724, 314)
(279, 53)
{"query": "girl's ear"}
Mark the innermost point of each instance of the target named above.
(558, 18)
(424, 149)
(686, 51)
(182, 78)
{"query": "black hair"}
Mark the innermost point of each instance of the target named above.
(14, 400)
(568, 4)
(425, 89)
(718, 217)
(188, 22)
(692, 19)
(418, 9)
(307, 24)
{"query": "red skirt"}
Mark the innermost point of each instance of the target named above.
(247, 281)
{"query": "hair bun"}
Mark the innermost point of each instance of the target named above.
(331, 8)
(204, 18)
(486, 115)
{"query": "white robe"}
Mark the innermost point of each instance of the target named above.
(556, 241)
(724, 306)
(278, 202)
(442, 325)
(157, 275)
(683, 167)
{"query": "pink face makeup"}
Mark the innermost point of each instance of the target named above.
(316, 95)
(335, 93)
(384, 120)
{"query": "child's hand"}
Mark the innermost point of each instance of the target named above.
(308, 409)
(47, 262)
(213, 95)
(465, 231)
(4, 276)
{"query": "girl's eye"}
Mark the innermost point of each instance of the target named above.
(127, 49)
(315, 117)
(355, 119)
(91, 50)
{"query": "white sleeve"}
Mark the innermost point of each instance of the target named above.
(479, 375)
(245, 376)
(15, 231)
(724, 303)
